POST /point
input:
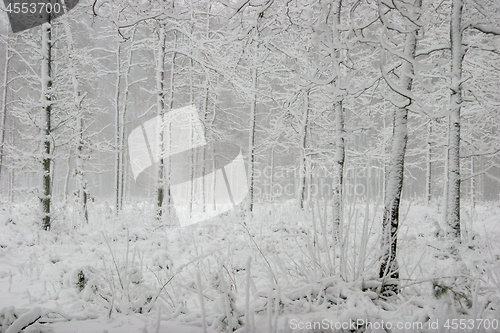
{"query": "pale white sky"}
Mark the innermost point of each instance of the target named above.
(4, 27)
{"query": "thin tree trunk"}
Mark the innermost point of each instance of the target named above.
(472, 183)
(445, 177)
(118, 148)
(384, 161)
(46, 193)
(271, 178)
(126, 173)
(205, 121)
(160, 104)
(339, 141)
(303, 153)
(80, 170)
(339, 172)
(163, 191)
(428, 164)
(80, 128)
(11, 174)
(390, 225)
(453, 202)
(3, 120)
(121, 133)
(191, 138)
(205, 112)
(68, 175)
(251, 139)
(123, 115)
(213, 182)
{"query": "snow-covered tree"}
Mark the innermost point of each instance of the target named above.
(4, 88)
(390, 224)
(46, 100)
(457, 27)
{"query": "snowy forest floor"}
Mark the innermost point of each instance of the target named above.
(132, 274)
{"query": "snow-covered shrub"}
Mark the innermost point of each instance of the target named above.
(125, 284)
(121, 291)
(229, 317)
(162, 260)
(14, 320)
(7, 316)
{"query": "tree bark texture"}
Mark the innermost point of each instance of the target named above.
(453, 196)
(395, 171)
(46, 141)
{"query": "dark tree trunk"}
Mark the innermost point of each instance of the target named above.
(390, 225)
(46, 194)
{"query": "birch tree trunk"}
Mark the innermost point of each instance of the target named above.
(303, 154)
(81, 184)
(390, 224)
(338, 181)
(46, 142)
(80, 170)
(11, 174)
(192, 160)
(339, 172)
(445, 177)
(384, 161)
(428, 164)
(453, 196)
(68, 176)
(206, 91)
(127, 84)
(3, 120)
(163, 198)
(251, 139)
(118, 148)
(205, 122)
(171, 94)
(271, 177)
(160, 104)
(472, 184)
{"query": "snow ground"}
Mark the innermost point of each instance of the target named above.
(131, 274)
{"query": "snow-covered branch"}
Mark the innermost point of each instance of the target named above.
(487, 29)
